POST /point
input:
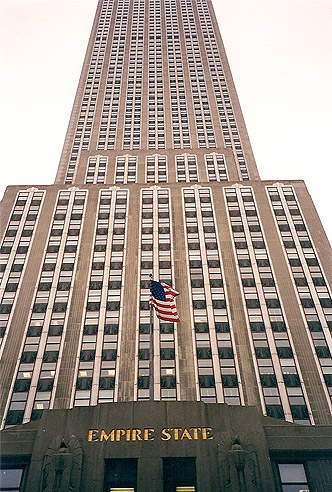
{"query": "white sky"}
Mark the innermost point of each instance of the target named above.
(280, 52)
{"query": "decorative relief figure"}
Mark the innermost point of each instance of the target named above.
(238, 470)
(62, 466)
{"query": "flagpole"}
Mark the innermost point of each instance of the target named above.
(151, 355)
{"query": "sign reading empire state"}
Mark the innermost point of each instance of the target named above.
(149, 434)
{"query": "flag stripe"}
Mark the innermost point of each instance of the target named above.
(162, 300)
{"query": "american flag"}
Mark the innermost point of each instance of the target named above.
(162, 299)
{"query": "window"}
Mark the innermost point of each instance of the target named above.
(120, 475)
(10, 479)
(179, 474)
(293, 477)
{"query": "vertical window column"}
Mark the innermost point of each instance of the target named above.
(132, 123)
(186, 168)
(216, 167)
(203, 117)
(218, 375)
(92, 84)
(125, 171)
(34, 383)
(96, 170)
(97, 377)
(179, 110)
(309, 280)
(156, 169)
(156, 258)
(156, 120)
(14, 252)
(279, 379)
(223, 100)
(110, 112)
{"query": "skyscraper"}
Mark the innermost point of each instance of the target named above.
(157, 176)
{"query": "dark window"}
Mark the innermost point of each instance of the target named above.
(325, 303)
(312, 261)
(201, 327)
(84, 383)
(257, 326)
(206, 381)
(252, 303)
(225, 353)
(166, 327)
(285, 352)
(222, 327)
(199, 304)
(50, 356)
(5, 308)
(168, 381)
(55, 330)
(263, 263)
(301, 281)
(39, 308)
(59, 307)
(45, 384)
(167, 354)
(299, 412)
(229, 381)
(263, 352)
(70, 248)
(120, 473)
(307, 303)
(14, 417)
(5, 250)
(87, 355)
(275, 411)
(278, 326)
(34, 331)
(109, 354)
(28, 357)
(323, 352)
(268, 380)
(113, 305)
(179, 472)
(22, 249)
(63, 286)
(219, 304)
(272, 303)
(10, 476)
(248, 282)
(45, 286)
(293, 477)
(292, 380)
(107, 383)
(22, 385)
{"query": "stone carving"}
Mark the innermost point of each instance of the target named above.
(62, 466)
(238, 470)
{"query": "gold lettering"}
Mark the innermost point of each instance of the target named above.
(195, 431)
(185, 434)
(176, 432)
(148, 434)
(105, 437)
(137, 435)
(165, 435)
(93, 435)
(119, 433)
(207, 433)
(128, 432)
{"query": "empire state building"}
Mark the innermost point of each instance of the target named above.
(157, 176)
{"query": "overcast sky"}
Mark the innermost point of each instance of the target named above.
(280, 52)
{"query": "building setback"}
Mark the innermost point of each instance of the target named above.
(157, 176)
